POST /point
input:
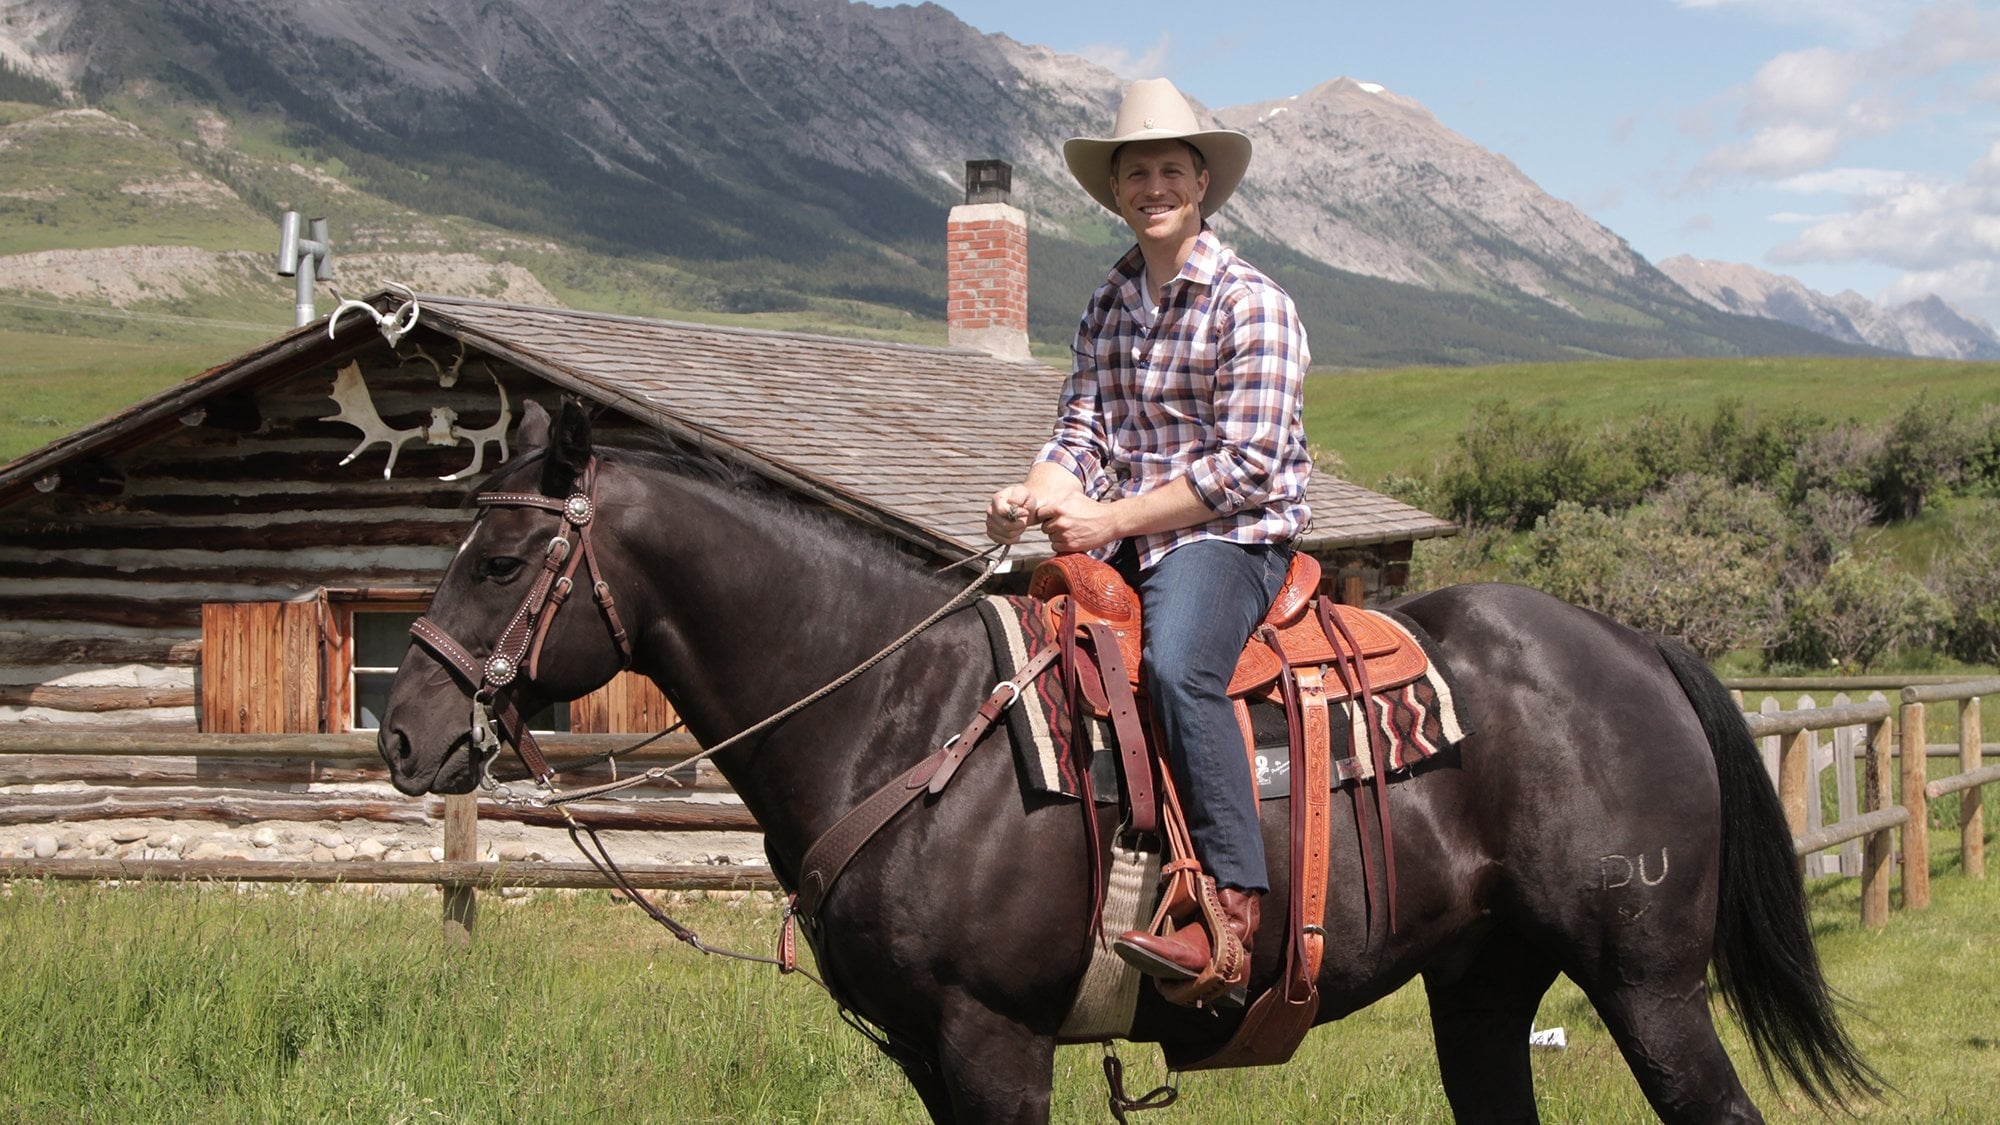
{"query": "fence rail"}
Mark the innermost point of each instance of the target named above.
(174, 776)
(1874, 732)
(1869, 812)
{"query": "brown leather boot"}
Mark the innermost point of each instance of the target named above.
(1183, 954)
(1245, 909)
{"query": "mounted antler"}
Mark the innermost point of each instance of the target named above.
(447, 376)
(357, 409)
(393, 325)
(495, 432)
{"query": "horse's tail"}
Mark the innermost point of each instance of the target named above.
(1765, 964)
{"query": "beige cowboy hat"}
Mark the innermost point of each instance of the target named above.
(1153, 110)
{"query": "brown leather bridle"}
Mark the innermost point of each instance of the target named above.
(520, 645)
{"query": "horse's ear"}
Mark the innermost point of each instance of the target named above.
(533, 432)
(569, 447)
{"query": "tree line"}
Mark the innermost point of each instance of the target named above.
(1739, 530)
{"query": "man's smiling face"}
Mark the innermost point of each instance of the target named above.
(1160, 186)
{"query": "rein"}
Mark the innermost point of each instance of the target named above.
(496, 720)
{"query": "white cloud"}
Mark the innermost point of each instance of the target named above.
(1775, 150)
(1854, 183)
(1119, 59)
(1941, 37)
(1970, 286)
(1815, 84)
(1922, 225)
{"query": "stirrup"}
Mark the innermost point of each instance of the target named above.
(1227, 975)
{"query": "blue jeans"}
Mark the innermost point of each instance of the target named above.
(1200, 604)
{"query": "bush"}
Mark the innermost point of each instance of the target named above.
(1745, 449)
(1982, 464)
(1860, 611)
(1966, 577)
(1713, 590)
(1511, 469)
(1923, 452)
(1837, 459)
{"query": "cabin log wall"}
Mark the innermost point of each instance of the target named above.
(103, 579)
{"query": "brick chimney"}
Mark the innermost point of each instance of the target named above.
(986, 265)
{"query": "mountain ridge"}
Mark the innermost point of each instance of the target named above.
(1930, 326)
(803, 152)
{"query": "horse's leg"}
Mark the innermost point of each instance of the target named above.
(925, 1076)
(993, 1069)
(1666, 1032)
(1480, 1019)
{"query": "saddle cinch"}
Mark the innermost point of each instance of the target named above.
(1309, 654)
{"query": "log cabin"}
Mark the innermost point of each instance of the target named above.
(244, 551)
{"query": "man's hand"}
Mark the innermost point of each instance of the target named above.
(1078, 523)
(1010, 513)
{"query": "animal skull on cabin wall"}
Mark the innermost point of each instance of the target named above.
(357, 409)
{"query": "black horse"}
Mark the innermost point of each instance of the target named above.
(1608, 819)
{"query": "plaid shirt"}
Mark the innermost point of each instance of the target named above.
(1209, 386)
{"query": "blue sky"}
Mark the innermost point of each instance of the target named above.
(1852, 144)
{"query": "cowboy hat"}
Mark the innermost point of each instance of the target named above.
(1153, 110)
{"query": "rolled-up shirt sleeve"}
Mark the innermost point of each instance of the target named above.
(1079, 442)
(1261, 361)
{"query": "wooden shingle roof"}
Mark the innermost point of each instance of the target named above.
(915, 437)
(907, 437)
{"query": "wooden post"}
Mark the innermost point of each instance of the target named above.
(1848, 746)
(1916, 833)
(1971, 805)
(461, 842)
(1792, 761)
(1877, 855)
(1353, 586)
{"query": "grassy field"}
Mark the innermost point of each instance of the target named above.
(160, 1003)
(66, 370)
(62, 370)
(1401, 420)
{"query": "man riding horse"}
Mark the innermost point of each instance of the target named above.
(1179, 456)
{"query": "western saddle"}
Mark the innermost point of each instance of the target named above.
(1308, 654)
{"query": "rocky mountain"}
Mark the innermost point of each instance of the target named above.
(1930, 327)
(737, 156)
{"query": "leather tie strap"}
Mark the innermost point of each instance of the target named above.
(1125, 719)
(1364, 700)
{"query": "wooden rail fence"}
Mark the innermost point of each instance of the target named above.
(1868, 812)
(190, 777)
(166, 773)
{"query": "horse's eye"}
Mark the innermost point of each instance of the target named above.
(500, 568)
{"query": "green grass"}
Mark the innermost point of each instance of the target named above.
(53, 384)
(1402, 420)
(163, 1003)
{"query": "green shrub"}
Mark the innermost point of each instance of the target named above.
(1966, 576)
(1924, 451)
(1645, 567)
(1861, 610)
(1512, 468)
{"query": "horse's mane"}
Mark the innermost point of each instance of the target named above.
(786, 510)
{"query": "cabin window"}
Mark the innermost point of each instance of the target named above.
(326, 663)
(380, 638)
(376, 634)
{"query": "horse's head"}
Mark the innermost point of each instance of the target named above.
(519, 619)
